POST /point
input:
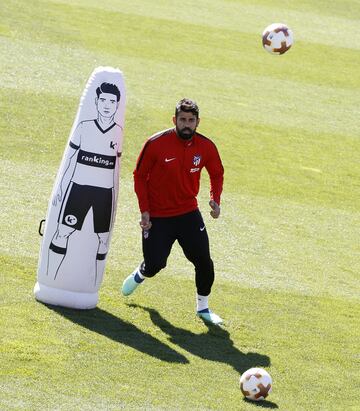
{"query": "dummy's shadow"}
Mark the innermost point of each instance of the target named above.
(213, 345)
(110, 326)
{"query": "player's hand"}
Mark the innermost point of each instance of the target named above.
(145, 222)
(215, 209)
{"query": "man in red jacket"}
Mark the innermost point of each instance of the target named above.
(167, 181)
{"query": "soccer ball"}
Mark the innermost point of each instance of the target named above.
(277, 38)
(255, 384)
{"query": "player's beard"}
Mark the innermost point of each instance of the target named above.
(186, 133)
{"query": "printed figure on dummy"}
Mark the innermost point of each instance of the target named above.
(84, 198)
(92, 178)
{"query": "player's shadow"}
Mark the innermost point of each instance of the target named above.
(116, 329)
(213, 345)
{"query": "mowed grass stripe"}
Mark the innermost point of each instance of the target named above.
(205, 47)
(244, 17)
(284, 245)
(286, 103)
(288, 162)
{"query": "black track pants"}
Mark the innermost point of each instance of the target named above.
(190, 232)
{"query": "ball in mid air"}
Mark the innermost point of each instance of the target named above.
(277, 38)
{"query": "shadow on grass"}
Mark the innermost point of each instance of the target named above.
(105, 323)
(213, 345)
(262, 404)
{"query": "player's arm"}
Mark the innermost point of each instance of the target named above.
(142, 171)
(216, 173)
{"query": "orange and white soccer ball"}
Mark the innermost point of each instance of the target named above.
(255, 384)
(277, 38)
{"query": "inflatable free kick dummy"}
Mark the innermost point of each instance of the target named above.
(81, 210)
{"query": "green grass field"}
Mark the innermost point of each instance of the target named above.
(286, 248)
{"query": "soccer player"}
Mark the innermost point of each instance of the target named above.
(91, 183)
(166, 181)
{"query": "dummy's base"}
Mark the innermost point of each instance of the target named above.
(64, 298)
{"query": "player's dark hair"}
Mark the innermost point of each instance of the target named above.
(187, 105)
(108, 88)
